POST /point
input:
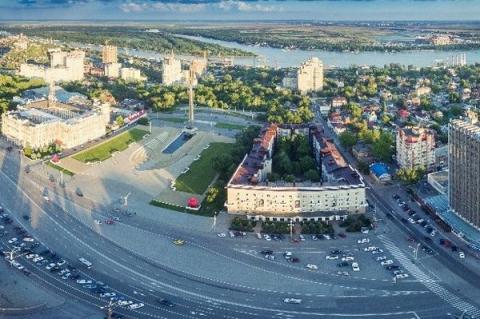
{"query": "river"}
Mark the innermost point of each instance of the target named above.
(282, 58)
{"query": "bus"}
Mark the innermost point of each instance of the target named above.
(85, 262)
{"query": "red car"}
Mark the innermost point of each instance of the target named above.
(109, 221)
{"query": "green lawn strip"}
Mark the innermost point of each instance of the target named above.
(173, 119)
(230, 126)
(116, 144)
(201, 172)
(61, 169)
(181, 209)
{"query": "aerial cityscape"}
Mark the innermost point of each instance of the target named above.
(238, 159)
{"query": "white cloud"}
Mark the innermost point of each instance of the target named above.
(135, 7)
(228, 5)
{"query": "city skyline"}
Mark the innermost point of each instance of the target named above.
(347, 10)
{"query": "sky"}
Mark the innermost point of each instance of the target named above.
(164, 10)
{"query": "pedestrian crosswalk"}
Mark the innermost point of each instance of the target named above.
(428, 281)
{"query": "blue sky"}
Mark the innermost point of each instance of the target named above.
(162, 10)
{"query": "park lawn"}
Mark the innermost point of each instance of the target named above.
(201, 172)
(229, 126)
(116, 144)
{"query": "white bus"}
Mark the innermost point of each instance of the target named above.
(85, 262)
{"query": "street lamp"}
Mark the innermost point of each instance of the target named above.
(291, 229)
(109, 308)
(416, 251)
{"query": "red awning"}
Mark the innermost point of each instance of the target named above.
(193, 202)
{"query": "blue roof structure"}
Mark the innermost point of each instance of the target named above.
(379, 169)
(460, 227)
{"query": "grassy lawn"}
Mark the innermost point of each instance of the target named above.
(173, 119)
(61, 169)
(180, 209)
(116, 144)
(201, 172)
(229, 126)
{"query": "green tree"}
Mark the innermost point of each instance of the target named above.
(383, 148)
(119, 120)
(347, 139)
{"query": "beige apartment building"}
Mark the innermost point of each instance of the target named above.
(109, 54)
(172, 70)
(131, 74)
(112, 70)
(415, 147)
(64, 66)
(47, 121)
(464, 169)
(310, 76)
(340, 193)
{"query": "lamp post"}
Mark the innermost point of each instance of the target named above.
(291, 229)
(416, 251)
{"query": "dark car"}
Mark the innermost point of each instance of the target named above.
(336, 252)
(295, 260)
(392, 267)
(404, 220)
(343, 264)
(342, 235)
(165, 302)
(389, 215)
(454, 248)
(429, 239)
(266, 252)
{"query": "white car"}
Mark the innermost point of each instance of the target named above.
(98, 222)
(231, 234)
(28, 239)
(30, 256)
(125, 303)
(411, 220)
(61, 263)
(269, 257)
(13, 240)
(84, 281)
(363, 241)
(401, 276)
(259, 236)
(222, 235)
(433, 233)
(370, 248)
(312, 266)
(292, 300)
(348, 258)
(314, 237)
(343, 273)
(377, 251)
(66, 276)
(355, 267)
(386, 262)
(302, 238)
(327, 237)
(108, 294)
(135, 306)
(37, 259)
(331, 257)
(381, 258)
(287, 254)
(50, 266)
(461, 254)
(267, 237)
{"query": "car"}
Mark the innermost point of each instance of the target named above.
(343, 273)
(26, 272)
(401, 276)
(377, 251)
(327, 237)
(292, 300)
(287, 254)
(331, 257)
(336, 252)
(84, 281)
(427, 239)
(387, 262)
(28, 239)
(61, 262)
(179, 242)
(31, 256)
(269, 257)
(107, 294)
(454, 248)
(461, 255)
(37, 259)
(381, 258)
(363, 241)
(135, 306)
(50, 266)
(222, 235)
(312, 266)
(411, 221)
(266, 252)
(424, 223)
(420, 221)
(348, 258)
(109, 221)
(397, 272)
(314, 237)
(294, 260)
(404, 220)
(165, 302)
(370, 248)
(301, 237)
(433, 233)
(342, 235)
(343, 264)
(13, 240)
(115, 218)
(355, 267)
(123, 303)
(98, 222)
(267, 237)
(79, 192)
(392, 267)
(66, 276)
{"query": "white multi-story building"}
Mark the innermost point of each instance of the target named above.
(172, 70)
(131, 74)
(112, 70)
(415, 147)
(64, 66)
(46, 121)
(341, 191)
